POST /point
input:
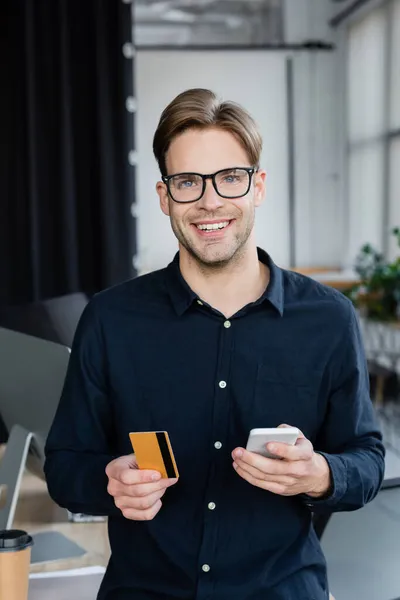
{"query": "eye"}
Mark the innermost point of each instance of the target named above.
(185, 182)
(231, 178)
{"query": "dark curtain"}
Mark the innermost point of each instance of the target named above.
(66, 132)
(67, 185)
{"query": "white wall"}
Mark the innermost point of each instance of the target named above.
(320, 161)
(255, 79)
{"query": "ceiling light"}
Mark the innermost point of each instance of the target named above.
(178, 16)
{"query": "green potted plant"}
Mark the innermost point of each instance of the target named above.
(377, 294)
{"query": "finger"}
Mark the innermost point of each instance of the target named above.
(272, 469)
(142, 515)
(135, 476)
(270, 486)
(128, 473)
(144, 489)
(253, 473)
(138, 502)
(271, 466)
(116, 488)
(302, 450)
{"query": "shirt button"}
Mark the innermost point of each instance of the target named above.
(199, 302)
(206, 568)
(222, 384)
(227, 324)
(218, 445)
(211, 505)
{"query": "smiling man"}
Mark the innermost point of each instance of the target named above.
(219, 342)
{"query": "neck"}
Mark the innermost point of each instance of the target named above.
(229, 287)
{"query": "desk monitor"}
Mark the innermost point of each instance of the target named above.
(32, 373)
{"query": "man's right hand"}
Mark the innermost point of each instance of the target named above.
(136, 492)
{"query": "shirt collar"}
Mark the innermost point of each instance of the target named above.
(183, 296)
(274, 293)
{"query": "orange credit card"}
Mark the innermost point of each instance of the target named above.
(153, 451)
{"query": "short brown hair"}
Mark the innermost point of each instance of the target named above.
(199, 109)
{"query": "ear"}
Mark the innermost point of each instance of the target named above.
(162, 192)
(259, 186)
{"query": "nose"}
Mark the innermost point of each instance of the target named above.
(210, 200)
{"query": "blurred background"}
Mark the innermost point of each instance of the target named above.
(83, 87)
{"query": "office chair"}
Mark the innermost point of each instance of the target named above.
(54, 319)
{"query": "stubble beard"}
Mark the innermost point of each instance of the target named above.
(229, 254)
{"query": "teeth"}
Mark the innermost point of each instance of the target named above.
(211, 226)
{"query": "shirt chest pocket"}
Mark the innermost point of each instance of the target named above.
(286, 394)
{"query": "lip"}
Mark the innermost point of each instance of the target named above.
(214, 233)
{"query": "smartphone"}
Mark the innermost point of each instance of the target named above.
(153, 451)
(258, 438)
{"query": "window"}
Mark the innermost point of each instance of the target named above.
(366, 77)
(394, 192)
(373, 101)
(365, 190)
(395, 67)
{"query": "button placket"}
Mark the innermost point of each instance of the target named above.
(212, 510)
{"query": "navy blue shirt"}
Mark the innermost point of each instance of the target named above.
(150, 355)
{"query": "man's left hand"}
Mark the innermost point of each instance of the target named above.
(301, 470)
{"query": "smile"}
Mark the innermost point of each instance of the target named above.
(212, 226)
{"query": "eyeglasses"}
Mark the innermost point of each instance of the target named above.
(228, 183)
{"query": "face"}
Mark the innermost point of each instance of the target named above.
(206, 152)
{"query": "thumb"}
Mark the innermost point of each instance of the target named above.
(120, 465)
(301, 434)
(305, 447)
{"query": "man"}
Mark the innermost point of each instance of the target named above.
(218, 343)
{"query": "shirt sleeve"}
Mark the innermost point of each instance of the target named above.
(79, 445)
(350, 439)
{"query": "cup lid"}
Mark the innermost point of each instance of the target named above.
(14, 539)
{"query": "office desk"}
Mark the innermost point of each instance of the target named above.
(338, 279)
(36, 512)
(66, 585)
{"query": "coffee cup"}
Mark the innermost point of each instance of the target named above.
(15, 559)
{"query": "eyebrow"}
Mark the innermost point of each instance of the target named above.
(235, 168)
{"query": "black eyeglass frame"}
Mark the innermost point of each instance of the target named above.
(250, 170)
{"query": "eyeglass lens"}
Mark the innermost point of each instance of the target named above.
(187, 187)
